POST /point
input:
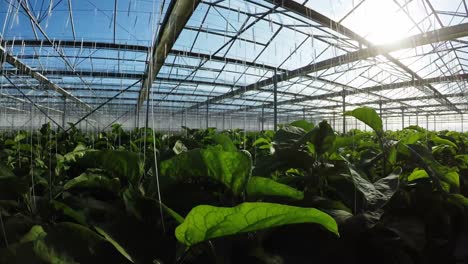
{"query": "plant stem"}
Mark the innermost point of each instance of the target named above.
(3, 230)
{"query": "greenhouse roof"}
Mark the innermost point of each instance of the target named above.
(230, 56)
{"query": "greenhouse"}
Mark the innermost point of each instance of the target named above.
(234, 131)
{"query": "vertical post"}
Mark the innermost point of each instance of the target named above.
(303, 114)
(427, 122)
(182, 116)
(263, 118)
(402, 118)
(386, 120)
(435, 123)
(64, 111)
(137, 117)
(206, 115)
(344, 110)
(224, 120)
(380, 109)
(275, 103)
(333, 121)
(417, 118)
(147, 110)
(462, 124)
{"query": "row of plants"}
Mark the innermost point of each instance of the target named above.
(303, 194)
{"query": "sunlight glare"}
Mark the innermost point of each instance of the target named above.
(378, 21)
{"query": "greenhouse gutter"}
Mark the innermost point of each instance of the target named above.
(173, 25)
(4, 95)
(25, 69)
(415, 83)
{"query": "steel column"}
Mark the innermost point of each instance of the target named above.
(380, 109)
(462, 124)
(263, 119)
(275, 102)
(402, 118)
(427, 122)
(224, 121)
(206, 115)
(344, 110)
(64, 114)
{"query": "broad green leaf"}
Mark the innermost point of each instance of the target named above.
(369, 117)
(122, 164)
(225, 142)
(339, 215)
(20, 136)
(417, 128)
(114, 243)
(261, 141)
(321, 136)
(77, 243)
(434, 169)
(376, 194)
(458, 200)
(260, 186)
(63, 243)
(93, 181)
(442, 141)
(78, 216)
(232, 168)
(462, 161)
(36, 232)
(303, 124)
(206, 222)
(452, 177)
(288, 135)
(5, 172)
(417, 174)
(77, 152)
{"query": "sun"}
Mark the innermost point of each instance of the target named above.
(379, 21)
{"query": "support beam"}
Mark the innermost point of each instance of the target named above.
(415, 83)
(439, 35)
(25, 69)
(132, 48)
(178, 14)
(306, 12)
(35, 105)
(9, 96)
